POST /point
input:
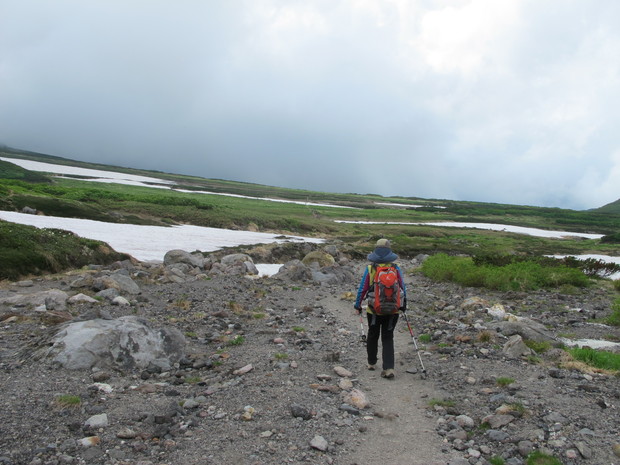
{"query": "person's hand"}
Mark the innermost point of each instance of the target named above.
(358, 309)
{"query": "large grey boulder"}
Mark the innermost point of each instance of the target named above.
(122, 283)
(526, 328)
(181, 256)
(52, 299)
(125, 343)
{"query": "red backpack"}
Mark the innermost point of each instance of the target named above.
(386, 289)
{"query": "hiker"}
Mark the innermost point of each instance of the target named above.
(381, 322)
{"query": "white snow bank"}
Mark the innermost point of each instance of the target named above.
(150, 243)
(489, 226)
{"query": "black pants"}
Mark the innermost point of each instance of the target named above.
(381, 325)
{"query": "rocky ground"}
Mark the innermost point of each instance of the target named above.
(274, 372)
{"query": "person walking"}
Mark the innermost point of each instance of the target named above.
(380, 325)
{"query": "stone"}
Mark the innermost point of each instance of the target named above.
(516, 348)
(97, 421)
(319, 443)
(81, 299)
(356, 398)
(127, 342)
(300, 412)
(464, 421)
(319, 257)
(497, 421)
(343, 372)
(181, 256)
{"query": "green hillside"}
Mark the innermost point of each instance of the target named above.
(613, 207)
(77, 198)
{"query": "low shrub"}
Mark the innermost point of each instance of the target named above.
(517, 275)
(540, 458)
(504, 381)
(26, 250)
(614, 318)
(597, 358)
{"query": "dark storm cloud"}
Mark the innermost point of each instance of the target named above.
(473, 100)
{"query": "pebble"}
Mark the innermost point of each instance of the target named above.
(319, 443)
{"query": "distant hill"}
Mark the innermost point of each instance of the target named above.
(613, 207)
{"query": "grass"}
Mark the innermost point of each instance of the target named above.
(236, 341)
(519, 276)
(298, 329)
(496, 460)
(504, 381)
(68, 401)
(193, 379)
(485, 336)
(441, 403)
(538, 347)
(540, 458)
(614, 318)
(280, 356)
(425, 338)
(26, 250)
(143, 205)
(597, 358)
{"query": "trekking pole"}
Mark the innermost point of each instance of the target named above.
(415, 344)
(362, 333)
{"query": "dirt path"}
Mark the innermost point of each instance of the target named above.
(404, 434)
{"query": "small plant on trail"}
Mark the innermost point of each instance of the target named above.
(425, 338)
(538, 347)
(298, 329)
(441, 402)
(280, 356)
(540, 458)
(503, 381)
(235, 307)
(68, 401)
(236, 341)
(258, 315)
(485, 336)
(181, 304)
(193, 379)
(497, 460)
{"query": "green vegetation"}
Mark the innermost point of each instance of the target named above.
(27, 250)
(193, 379)
(426, 338)
(280, 356)
(519, 276)
(504, 381)
(441, 403)
(596, 358)
(298, 329)
(236, 341)
(614, 318)
(68, 400)
(540, 458)
(74, 197)
(538, 347)
(496, 460)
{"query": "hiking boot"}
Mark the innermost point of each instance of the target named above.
(372, 367)
(389, 373)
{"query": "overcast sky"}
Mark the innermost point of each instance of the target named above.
(509, 101)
